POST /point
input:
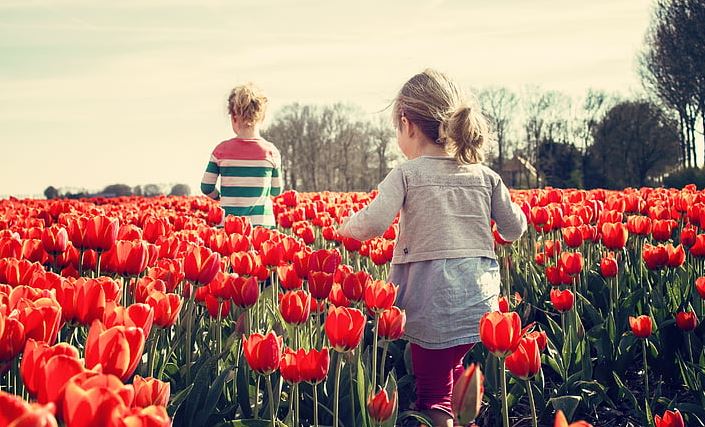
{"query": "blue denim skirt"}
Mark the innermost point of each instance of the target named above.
(444, 299)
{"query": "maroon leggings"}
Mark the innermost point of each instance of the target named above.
(436, 372)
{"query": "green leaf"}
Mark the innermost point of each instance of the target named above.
(214, 393)
(362, 393)
(567, 404)
(243, 388)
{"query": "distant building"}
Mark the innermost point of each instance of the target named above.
(518, 172)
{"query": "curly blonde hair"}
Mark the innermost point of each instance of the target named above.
(435, 103)
(247, 102)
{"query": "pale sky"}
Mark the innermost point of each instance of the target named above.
(97, 92)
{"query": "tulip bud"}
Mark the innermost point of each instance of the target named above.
(467, 395)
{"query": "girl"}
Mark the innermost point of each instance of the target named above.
(249, 166)
(444, 261)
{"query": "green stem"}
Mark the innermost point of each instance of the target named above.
(152, 352)
(315, 405)
(374, 354)
(503, 392)
(382, 369)
(257, 397)
(272, 415)
(690, 347)
(338, 367)
(646, 370)
(530, 392)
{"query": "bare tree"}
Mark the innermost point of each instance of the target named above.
(673, 66)
(499, 104)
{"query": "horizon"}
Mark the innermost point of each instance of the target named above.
(142, 87)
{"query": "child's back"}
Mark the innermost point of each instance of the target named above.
(249, 171)
(249, 166)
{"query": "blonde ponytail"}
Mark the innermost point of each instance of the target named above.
(248, 102)
(467, 132)
(438, 107)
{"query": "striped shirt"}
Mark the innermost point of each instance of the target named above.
(250, 172)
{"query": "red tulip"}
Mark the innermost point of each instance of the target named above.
(344, 327)
(272, 253)
(237, 225)
(100, 233)
(324, 260)
(380, 296)
(670, 419)
(655, 257)
(320, 284)
(151, 416)
(55, 239)
(117, 349)
(504, 304)
(245, 291)
(136, 315)
(154, 228)
(380, 406)
(562, 300)
(608, 266)
(15, 412)
(354, 285)
(150, 391)
(46, 369)
(614, 235)
(525, 362)
(201, 265)
(540, 338)
(289, 367)
(130, 258)
(700, 286)
(662, 230)
(500, 332)
(295, 307)
(336, 296)
(686, 320)
(467, 394)
(572, 262)
(263, 353)
(391, 324)
(561, 421)
(13, 339)
(313, 364)
(216, 307)
(166, 308)
(687, 237)
(676, 255)
(698, 248)
(572, 237)
(41, 318)
(93, 400)
(288, 279)
(215, 216)
(641, 326)
(639, 225)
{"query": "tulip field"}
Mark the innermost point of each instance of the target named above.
(159, 311)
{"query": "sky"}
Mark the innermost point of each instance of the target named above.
(96, 92)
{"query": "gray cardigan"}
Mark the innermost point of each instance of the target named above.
(445, 211)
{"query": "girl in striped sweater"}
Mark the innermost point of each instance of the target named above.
(249, 166)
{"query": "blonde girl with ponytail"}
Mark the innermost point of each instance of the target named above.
(248, 166)
(444, 261)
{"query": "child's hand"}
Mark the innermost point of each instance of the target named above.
(345, 219)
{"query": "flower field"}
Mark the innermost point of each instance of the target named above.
(147, 312)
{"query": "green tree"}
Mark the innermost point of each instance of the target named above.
(634, 143)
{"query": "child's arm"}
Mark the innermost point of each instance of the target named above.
(374, 219)
(510, 220)
(210, 177)
(277, 177)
